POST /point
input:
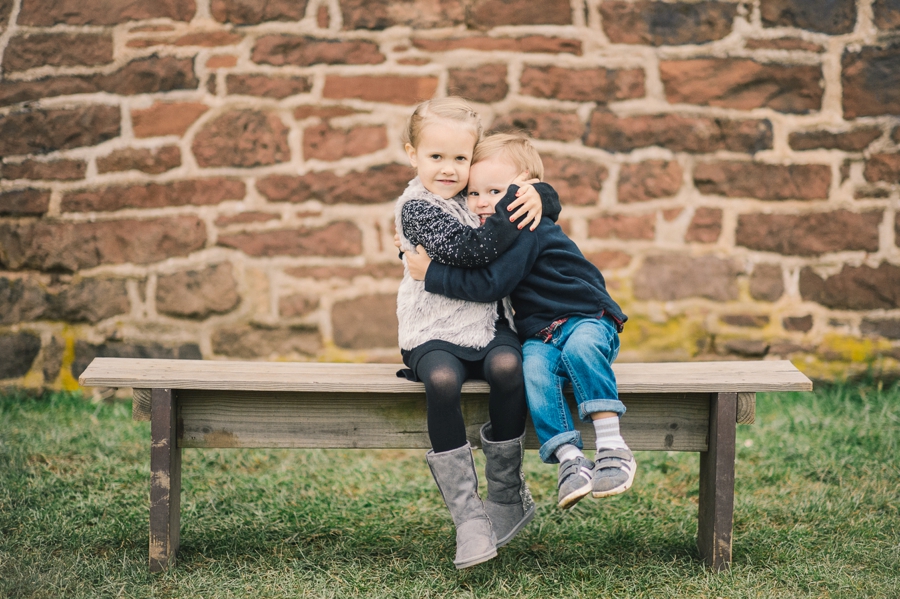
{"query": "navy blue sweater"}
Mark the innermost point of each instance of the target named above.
(545, 274)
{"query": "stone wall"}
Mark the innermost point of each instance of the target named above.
(214, 178)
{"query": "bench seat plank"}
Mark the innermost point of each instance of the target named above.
(676, 422)
(664, 377)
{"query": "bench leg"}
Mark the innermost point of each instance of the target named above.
(717, 483)
(165, 480)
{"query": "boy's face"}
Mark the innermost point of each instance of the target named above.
(488, 180)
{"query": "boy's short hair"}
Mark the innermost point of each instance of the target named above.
(516, 147)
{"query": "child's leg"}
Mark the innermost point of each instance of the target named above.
(502, 369)
(560, 442)
(544, 382)
(508, 503)
(443, 375)
(588, 352)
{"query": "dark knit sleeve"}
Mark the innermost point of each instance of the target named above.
(449, 241)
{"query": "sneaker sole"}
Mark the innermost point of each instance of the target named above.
(621, 488)
(574, 497)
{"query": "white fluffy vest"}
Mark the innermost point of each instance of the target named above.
(425, 316)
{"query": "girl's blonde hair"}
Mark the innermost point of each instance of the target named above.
(515, 147)
(452, 108)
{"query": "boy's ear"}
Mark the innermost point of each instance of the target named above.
(411, 153)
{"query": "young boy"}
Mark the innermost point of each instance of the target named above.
(565, 318)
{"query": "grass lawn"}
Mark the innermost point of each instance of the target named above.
(817, 514)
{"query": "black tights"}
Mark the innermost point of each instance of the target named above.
(443, 375)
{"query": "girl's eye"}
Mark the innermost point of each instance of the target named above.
(462, 158)
(435, 156)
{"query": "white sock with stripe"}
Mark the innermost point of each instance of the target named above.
(608, 434)
(567, 452)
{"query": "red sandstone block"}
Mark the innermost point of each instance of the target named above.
(854, 288)
(154, 161)
(869, 81)
(376, 185)
(486, 14)
(56, 170)
(883, 167)
(57, 49)
(322, 142)
(661, 23)
(486, 83)
(393, 89)
(221, 61)
(337, 239)
(578, 182)
(418, 14)
(164, 118)
(743, 84)
(835, 17)
(141, 76)
(887, 14)
(809, 234)
(243, 138)
(583, 85)
(849, 141)
(677, 133)
(623, 226)
(24, 202)
(265, 86)
(38, 13)
(279, 50)
(198, 192)
(648, 180)
(764, 181)
(54, 246)
(560, 126)
(43, 131)
(242, 12)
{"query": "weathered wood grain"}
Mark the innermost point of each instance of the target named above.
(165, 481)
(675, 377)
(746, 408)
(716, 509)
(677, 422)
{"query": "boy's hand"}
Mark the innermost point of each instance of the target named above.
(528, 201)
(417, 263)
(397, 240)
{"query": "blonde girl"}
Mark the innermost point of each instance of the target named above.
(445, 341)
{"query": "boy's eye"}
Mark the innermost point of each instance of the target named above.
(473, 193)
(435, 156)
(494, 191)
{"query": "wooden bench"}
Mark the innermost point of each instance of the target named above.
(690, 406)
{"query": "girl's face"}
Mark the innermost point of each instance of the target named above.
(442, 157)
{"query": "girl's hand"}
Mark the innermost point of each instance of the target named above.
(528, 201)
(417, 263)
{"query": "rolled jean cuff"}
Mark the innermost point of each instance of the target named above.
(567, 438)
(599, 405)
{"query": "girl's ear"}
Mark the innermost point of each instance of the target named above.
(411, 153)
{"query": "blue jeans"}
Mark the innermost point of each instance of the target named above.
(580, 352)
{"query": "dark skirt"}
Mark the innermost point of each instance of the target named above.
(504, 336)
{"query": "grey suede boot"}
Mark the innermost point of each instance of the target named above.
(509, 504)
(454, 473)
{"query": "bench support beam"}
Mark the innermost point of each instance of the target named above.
(165, 480)
(716, 512)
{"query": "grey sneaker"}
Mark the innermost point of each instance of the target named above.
(575, 481)
(614, 471)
